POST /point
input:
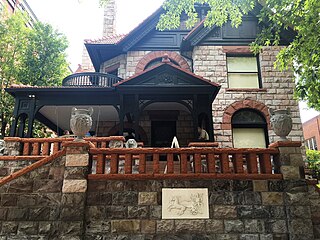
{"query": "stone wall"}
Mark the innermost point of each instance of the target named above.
(255, 210)
(31, 205)
(57, 201)
(277, 88)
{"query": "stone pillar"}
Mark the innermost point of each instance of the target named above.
(292, 165)
(74, 189)
(12, 146)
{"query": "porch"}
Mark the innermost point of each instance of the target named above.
(144, 163)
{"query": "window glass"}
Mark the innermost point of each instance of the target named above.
(243, 72)
(243, 80)
(249, 129)
(242, 64)
(249, 138)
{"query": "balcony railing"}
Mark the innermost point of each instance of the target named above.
(90, 79)
(155, 163)
(158, 163)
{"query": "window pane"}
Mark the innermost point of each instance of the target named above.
(249, 138)
(243, 80)
(247, 116)
(242, 64)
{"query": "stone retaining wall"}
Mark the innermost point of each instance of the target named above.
(238, 210)
(57, 201)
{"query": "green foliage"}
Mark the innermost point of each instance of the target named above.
(313, 160)
(34, 56)
(302, 55)
(220, 11)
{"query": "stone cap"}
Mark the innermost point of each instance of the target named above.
(285, 144)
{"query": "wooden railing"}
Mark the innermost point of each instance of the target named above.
(150, 163)
(49, 146)
(92, 79)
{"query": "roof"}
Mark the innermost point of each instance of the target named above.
(115, 39)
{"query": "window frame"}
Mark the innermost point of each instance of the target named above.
(263, 126)
(243, 55)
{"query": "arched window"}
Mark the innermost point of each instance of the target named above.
(249, 129)
(158, 61)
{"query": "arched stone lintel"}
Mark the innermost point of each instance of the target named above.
(247, 103)
(159, 54)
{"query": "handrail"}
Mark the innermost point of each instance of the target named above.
(92, 79)
(119, 163)
(31, 167)
(48, 146)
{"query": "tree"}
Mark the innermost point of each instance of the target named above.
(34, 56)
(302, 16)
(313, 160)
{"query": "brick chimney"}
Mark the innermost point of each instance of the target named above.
(109, 19)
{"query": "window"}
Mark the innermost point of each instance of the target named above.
(158, 61)
(249, 129)
(312, 143)
(113, 69)
(243, 71)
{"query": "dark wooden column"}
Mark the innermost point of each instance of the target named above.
(121, 115)
(195, 116)
(136, 115)
(211, 128)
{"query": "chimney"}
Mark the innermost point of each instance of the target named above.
(109, 19)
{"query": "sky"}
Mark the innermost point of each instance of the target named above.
(83, 19)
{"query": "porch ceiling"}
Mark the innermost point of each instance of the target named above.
(60, 115)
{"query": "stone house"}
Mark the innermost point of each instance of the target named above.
(240, 88)
(158, 85)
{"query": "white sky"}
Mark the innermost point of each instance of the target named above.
(82, 19)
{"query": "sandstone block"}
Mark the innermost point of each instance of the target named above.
(120, 226)
(190, 225)
(77, 160)
(225, 211)
(148, 226)
(214, 226)
(73, 186)
(290, 172)
(97, 227)
(148, 198)
(272, 198)
(260, 185)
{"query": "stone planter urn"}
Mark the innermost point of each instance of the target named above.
(281, 123)
(80, 122)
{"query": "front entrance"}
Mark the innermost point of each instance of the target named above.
(162, 133)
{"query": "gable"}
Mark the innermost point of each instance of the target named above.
(166, 75)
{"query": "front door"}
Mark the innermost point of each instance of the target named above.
(162, 133)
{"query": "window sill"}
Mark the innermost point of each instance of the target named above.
(246, 89)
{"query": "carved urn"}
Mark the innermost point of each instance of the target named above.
(281, 123)
(80, 122)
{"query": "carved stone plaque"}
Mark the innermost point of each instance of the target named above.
(185, 203)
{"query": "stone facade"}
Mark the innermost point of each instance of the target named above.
(210, 63)
(276, 92)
